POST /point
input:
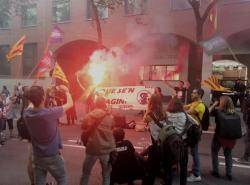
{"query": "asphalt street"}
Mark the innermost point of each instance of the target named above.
(14, 157)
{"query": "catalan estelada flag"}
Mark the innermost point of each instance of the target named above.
(213, 84)
(58, 73)
(17, 49)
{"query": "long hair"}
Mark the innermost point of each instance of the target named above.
(226, 104)
(175, 105)
(155, 106)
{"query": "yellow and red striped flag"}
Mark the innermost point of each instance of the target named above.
(17, 49)
(58, 73)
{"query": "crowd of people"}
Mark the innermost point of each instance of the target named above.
(41, 109)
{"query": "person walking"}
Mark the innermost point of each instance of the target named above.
(225, 105)
(46, 142)
(100, 142)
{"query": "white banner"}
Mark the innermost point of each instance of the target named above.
(126, 97)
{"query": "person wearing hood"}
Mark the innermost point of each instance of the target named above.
(100, 142)
(46, 142)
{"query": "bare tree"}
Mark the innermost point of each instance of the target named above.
(201, 19)
(195, 75)
(96, 4)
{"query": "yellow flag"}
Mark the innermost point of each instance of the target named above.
(58, 73)
(17, 49)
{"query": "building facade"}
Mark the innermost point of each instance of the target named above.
(159, 23)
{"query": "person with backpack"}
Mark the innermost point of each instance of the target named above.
(196, 109)
(99, 141)
(225, 108)
(153, 114)
(177, 116)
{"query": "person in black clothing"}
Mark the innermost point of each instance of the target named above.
(1, 121)
(128, 166)
(71, 115)
(246, 116)
(180, 90)
(239, 90)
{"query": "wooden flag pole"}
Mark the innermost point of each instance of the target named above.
(233, 54)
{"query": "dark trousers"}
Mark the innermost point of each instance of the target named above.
(240, 97)
(1, 129)
(247, 144)
(152, 165)
(183, 168)
(10, 124)
(227, 153)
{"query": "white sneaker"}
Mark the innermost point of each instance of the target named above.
(193, 178)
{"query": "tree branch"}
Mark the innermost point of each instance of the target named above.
(208, 9)
(98, 23)
(195, 6)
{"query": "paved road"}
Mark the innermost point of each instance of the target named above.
(14, 155)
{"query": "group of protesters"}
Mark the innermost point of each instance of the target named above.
(9, 110)
(106, 144)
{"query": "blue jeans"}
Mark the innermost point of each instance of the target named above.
(88, 164)
(54, 165)
(196, 160)
(215, 148)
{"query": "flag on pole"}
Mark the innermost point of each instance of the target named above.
(214, 44)
(213, 84)
(56, 35)
(58, 73)
(45, 65)
(17, 49)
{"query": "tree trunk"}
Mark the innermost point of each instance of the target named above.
(199, 31)
(98, 24)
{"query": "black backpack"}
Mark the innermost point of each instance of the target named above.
(229, 125)
(205, 119)
(22, 129)
(193, 132)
